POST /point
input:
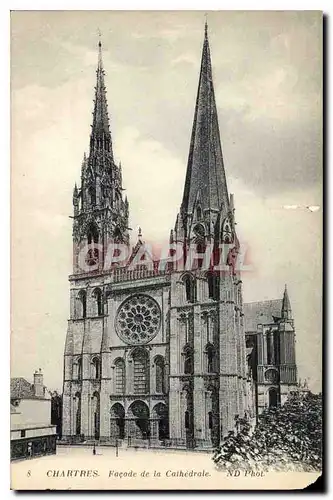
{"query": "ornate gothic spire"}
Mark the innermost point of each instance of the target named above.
(99, 201)
(286, 307)
(100, 138)
(205, 168)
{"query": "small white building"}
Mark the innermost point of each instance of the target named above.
(31, 432)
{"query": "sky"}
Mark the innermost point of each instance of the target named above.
(267, 70)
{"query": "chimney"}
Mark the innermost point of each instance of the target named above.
(38, 383)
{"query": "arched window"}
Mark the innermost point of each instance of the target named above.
(77, 413)
(213, 286)
(160, 374)
(210, 353)
(190, 289)
(120, 376)
(93, 238)
(83, 300)
(188, 363)
(199, 212)
(92, 195)
(141, 371)
(95, 407)
(269, 348)
(210, 420)
(93, 235)
(201, 247)
(227, 236)
(199, 232)
(200, 250)
(79, 369)
(98, 301)
(210, 279)
(187, 420)
(188, 360)
(96, 368)
(276, 348)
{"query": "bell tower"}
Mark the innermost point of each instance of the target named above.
(207, 340)
(100, 217)
(100, 211)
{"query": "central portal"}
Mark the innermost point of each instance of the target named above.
(138, 414)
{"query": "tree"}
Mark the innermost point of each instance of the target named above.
(287, 437)
(56, 411)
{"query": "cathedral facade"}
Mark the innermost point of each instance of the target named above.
(156, 352)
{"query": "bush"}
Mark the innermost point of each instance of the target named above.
(287, 437)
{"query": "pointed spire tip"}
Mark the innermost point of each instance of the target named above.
(205, 166)
(100, 137)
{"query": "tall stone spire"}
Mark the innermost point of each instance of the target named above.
(205, 169)
(100, 211)
(100, 138)
(286, 312)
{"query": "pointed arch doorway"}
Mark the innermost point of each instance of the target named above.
(117, 421)
(160, 422)
(138, 414)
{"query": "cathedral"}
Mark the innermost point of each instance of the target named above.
(166, 354)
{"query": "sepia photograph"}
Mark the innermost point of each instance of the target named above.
(166, 250)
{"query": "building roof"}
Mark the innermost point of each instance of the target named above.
(263, 312)
(20, 388)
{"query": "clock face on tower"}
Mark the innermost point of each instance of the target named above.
(138, 319)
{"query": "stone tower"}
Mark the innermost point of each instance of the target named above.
(100, 213)
(277, 371)
(270, 339)
(207, 340)
(100, 216)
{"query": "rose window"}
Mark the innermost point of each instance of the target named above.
(271, 376)
(138, 319)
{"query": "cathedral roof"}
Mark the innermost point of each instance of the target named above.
(263, 312)
(205, 169)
